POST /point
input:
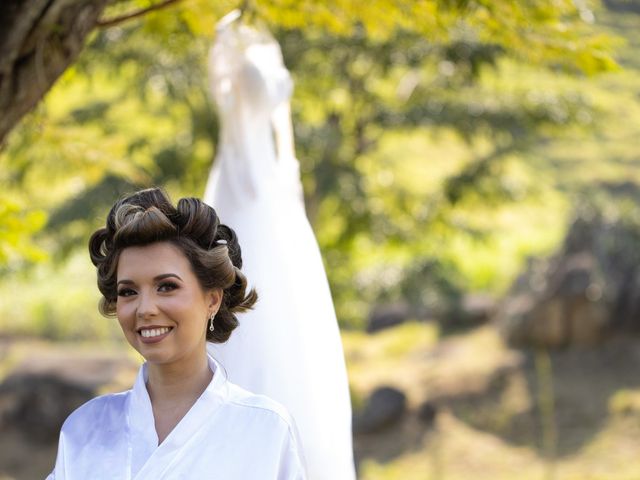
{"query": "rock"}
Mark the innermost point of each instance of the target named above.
(477, 308)
(46, 386)
(427, 413)
(469, 310)
(587, 291)
(39, 404)
(386, 316)
(385, 407)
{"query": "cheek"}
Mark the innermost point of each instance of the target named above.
(124, 312)
(185, 305)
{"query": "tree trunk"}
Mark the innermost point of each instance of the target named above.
(39, 39)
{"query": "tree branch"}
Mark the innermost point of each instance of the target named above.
(39, 39)
(110, 22)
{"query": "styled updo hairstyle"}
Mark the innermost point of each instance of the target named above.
(148, 216)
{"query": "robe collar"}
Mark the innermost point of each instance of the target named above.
(142, 433)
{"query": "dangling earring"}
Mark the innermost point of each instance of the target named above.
(211, 327)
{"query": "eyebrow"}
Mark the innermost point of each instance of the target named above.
(157, 278)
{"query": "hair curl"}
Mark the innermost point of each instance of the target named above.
(148, 216)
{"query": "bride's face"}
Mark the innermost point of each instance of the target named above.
(161, 307)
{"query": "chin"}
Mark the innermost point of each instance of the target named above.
(158, 357)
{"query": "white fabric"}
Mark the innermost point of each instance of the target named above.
(228, 434)
(289, 347)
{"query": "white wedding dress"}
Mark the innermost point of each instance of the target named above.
(289, 347)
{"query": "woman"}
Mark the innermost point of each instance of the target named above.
(172, 277)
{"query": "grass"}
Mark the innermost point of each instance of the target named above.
(55, 302)
(493, 430)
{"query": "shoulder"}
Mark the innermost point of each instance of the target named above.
(99, 409)
(92, 437)
(245, 399)
(261, 419)
(260, 405)
(262, 415)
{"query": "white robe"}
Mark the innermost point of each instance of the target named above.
(228, 434)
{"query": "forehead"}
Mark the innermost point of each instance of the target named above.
(151, 260)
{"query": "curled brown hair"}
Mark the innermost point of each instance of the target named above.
(148, 216)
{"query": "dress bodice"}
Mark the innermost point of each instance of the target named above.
(251, 88)
(246, 68)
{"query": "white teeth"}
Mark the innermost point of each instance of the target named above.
(153, 332)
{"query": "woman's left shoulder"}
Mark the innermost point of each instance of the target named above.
(268, 421)
(260, 405)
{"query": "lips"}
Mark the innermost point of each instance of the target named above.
(153, 333)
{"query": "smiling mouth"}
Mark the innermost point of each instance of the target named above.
(154, 332)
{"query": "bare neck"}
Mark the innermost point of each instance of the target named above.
(178, 382)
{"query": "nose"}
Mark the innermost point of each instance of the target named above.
(147, 307)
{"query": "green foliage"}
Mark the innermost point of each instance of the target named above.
(552, 33)
(17, 225)
(414, 125)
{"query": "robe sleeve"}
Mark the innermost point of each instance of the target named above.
(292, 463)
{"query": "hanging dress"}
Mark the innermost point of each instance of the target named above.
(289, 346)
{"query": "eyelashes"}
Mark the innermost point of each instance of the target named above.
(167, 286)
(163, 287)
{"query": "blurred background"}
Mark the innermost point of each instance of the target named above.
(470, 170)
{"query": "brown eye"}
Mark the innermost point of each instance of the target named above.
(126, 292)
(167, 287)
